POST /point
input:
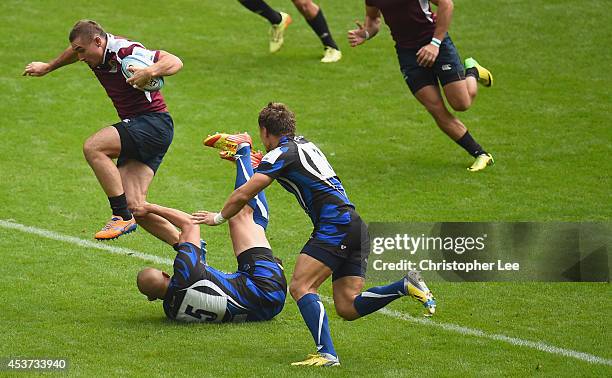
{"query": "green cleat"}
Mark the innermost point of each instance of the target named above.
(277, 32)
(331, 55)
(481, 162)
(485, 77)
(319, 359)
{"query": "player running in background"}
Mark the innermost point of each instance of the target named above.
(140, 140)
(280, 20)
(427, 55)
(339, 243)
(199, 293)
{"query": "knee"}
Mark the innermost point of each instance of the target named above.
(347, 312)
(460, 105)
(303, 6)
(297, 290)
(90, 148)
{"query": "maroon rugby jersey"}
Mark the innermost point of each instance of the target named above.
(128, 101)
(412, 22)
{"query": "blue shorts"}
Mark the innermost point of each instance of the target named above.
(446, 69)
(145, 138)
(344, 248)
(201, 293)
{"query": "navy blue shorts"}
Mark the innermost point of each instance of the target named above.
(258, 288)
(145, 138)
(447, 68)
(348, 257)
(255, 292)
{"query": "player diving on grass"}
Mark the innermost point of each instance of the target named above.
(199, 293)
(140, 141)
(339, 243)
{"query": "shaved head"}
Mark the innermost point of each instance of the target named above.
(153, 283)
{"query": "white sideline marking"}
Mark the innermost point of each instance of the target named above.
(498, 337)
(392, 313)
(83, 242)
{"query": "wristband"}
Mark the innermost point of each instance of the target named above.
(218, 219)
(367, 35)
(436, 42)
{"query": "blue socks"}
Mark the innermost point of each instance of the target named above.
(244, 171)
(315, 317)
(378, 297)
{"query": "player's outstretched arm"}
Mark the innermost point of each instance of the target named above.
(190, 232)
(166, 65)
(68, 56)
(368, 30)
(235, 202)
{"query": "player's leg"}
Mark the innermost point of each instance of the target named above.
(431, 98)
(458, 91)
(279, 21)
(144, 142)
(99, 150)
(137, 177)
(460, 84)
(349, 277)
(461, 94)
(308, 275)
(244, 171)
(263, 9)
(237, 148)
(423, 84)
(458, 95)
(247, 228)
(352, 304)
(315, 18)
(474, 73)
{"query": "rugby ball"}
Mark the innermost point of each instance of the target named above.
(136, 61)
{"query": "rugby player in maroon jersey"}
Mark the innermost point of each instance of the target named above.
(140, 141)
(427, 56)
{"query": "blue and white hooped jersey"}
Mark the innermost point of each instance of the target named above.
(302, 169)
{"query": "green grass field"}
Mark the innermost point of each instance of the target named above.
(547, 122)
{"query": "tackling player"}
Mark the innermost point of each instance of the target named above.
(427, 55)
(280, 21)
(199, 293)
(339, 243)
(140, 140)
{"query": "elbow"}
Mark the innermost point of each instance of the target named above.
(242, 196)
(178, 63)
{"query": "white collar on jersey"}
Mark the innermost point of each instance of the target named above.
(106, 50)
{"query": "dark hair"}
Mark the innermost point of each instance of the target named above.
(88, 29)
(277, 119)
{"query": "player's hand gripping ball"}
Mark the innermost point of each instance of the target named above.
(135, 61)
